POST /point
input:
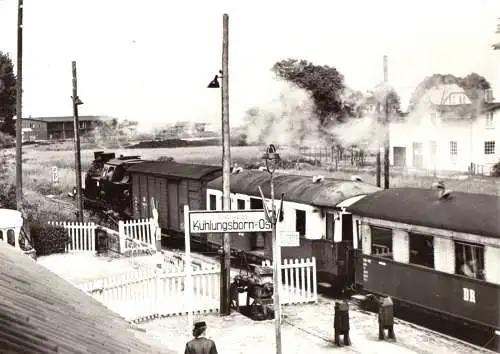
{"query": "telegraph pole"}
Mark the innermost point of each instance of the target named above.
(19, 108)
(378, 172)
(78, 164)
(386, 126)
(226, 170)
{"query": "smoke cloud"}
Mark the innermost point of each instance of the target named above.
(286, 119)
(289, 119)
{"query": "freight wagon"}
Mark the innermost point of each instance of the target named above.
(172, 185)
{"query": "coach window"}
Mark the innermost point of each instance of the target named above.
(469, 259)
(240, 204)
(11, 238)
(381, 242)
(300, 222)
(256, 203)
(330, 225)
(213, 202)
(422, 250)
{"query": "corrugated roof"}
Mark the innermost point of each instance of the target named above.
(173, 169)
(464, 212)
(299, 189)
(42, 313)
(69, 118)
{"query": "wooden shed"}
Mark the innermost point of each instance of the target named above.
(172, 185)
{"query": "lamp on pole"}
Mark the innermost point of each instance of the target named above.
(78, 165)
(272, 158)
(225, 295)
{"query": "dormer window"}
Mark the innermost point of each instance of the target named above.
(489, 119)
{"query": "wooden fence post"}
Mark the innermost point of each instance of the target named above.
(121, 232)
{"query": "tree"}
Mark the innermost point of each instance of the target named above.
(324, 83)
(473, 84)
(7, 94)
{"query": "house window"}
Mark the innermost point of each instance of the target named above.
(422, 250)
(300, 222)
(1, 235)
(213, 202)
(81, 124)
(469, 260)
(256, 203)
(453, 148)
(489, 119)
(381, 242)
(489, 147)
(240, 204)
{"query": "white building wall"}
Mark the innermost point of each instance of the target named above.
(470, 136)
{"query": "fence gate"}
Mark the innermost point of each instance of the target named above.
(82, 236)
(298, 280)
(139, 232)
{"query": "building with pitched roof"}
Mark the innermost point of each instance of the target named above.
(448, 131)
(58, 128)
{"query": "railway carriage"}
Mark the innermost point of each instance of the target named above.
(309, 207)
(433, 250)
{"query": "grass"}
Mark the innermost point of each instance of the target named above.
(39, 159)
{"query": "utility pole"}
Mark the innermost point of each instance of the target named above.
(19, 108)
(386, 126)
(78, 164)
(226, 170)
(378, 172)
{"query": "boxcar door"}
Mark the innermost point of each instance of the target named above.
(173, 206)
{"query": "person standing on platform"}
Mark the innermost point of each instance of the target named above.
(386, 318)
(200, 344)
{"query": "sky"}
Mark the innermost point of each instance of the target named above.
(151, 60)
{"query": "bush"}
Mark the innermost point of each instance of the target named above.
(49, 239)
(8, 196)
(6, 141)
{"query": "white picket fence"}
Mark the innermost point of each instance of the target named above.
(140, 230)
(153, 293)
(298, 283)
(82, 235)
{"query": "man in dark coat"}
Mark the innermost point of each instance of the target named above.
(200, 344)
(386, 318)
(341, 322)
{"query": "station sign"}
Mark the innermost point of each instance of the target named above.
(233, 221)
(289, 239)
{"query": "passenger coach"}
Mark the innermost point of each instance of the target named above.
(437, 250)
(313, 206)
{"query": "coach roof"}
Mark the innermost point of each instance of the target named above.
(174, 169)
(461, 212)
(42, 313)
(299, 189)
